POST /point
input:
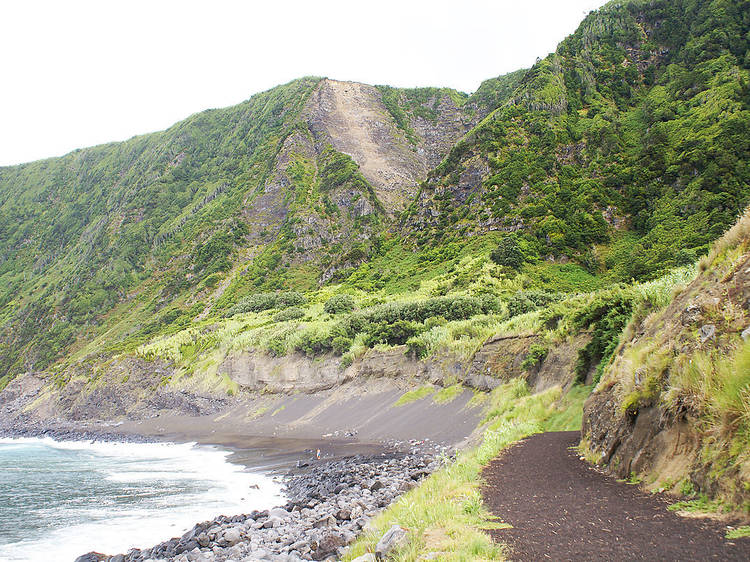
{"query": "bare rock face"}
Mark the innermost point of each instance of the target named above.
(353, 119)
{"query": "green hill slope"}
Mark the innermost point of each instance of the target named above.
(631, 138)
(625, 151)
(672, 408)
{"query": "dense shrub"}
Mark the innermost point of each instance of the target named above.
(266, 301)
(536, 354)
(441, 308)
(289, 298)
(528, 301)
(291, 313)
(338, 304)
(313, 342)
(341, 344)
(607, 317)
(396, 333)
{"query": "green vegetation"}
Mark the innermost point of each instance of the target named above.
(414, 395)
(537, 353)
(339, 303)
(643, 113)
(740, 532)
(404, 105)
(665, 364)
(508, 252)
(621, 156)
(266, 301)
(448, 394)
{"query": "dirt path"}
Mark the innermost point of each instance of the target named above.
(561, 509)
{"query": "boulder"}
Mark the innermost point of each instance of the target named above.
(232, 536)
(273, 522)
(279, 512)
(328, 545)
(91, 557)
(377, 485)
(707, 332)
(393, 538)
(326, 521)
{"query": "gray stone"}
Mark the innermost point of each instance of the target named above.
(746, 333)
(326, 521)
(279, 512)
(273, 522)
(707, 332)
(692, 314)
(393, 538)
(369, 557)
(232, 536)
(328, 545)
(91, 557)
(377, 485)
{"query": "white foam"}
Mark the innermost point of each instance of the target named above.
(220, 487)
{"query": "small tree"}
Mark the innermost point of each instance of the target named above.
(508, 252)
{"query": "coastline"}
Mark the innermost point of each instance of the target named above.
(329, 501)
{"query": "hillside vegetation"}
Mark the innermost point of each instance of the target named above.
(620, 156)
(538, 228)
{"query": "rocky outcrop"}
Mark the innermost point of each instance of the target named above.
(654, 414)
(128, 387)
(354, 120)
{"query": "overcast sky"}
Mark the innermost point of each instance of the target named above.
(79, 73)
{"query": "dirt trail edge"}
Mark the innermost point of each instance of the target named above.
(561, 509)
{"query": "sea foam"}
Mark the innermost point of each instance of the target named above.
(61, 499)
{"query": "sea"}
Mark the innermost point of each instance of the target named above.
(61, 499)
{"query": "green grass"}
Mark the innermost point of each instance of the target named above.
(414, 395)
(701, 504)
(448, 394)
(740, 532)
(445, 514)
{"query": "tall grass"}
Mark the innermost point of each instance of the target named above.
(735, 238)
(716, 387)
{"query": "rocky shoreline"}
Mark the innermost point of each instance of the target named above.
(70, 434)
(329, 505)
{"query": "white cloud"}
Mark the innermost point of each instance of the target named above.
(79, 73)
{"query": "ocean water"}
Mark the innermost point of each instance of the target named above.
(59, 500)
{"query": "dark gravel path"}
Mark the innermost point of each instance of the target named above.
(561, 509)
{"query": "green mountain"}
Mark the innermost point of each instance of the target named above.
(325, 231)
(140, 233)
(626, 149)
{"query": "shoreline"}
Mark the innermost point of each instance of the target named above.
(329, 504)
(329, 501)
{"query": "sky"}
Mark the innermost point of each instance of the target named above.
(80, 73)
